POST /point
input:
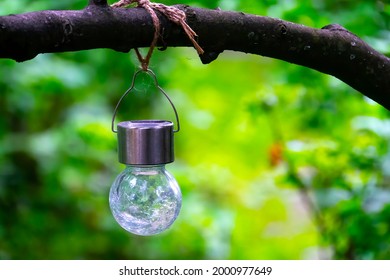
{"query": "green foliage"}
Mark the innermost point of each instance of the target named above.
(275, 161)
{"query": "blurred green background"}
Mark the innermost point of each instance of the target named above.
(275, 161)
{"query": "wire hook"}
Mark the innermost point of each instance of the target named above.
(153, 76)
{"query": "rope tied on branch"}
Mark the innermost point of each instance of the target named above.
(173, 14)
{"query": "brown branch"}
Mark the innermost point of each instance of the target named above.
(332, 50)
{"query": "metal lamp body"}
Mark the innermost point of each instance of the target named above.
(145, 142)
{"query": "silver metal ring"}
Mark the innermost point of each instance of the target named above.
(150, 73)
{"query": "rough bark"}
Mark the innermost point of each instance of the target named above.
(332, 50)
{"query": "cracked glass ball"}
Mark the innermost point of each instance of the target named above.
(145, 199)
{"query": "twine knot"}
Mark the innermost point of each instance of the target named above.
(173, 14)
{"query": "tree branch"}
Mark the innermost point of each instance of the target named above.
(332, 50)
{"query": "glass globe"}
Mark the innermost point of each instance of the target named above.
(145, 199)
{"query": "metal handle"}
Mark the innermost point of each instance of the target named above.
(151, 74)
